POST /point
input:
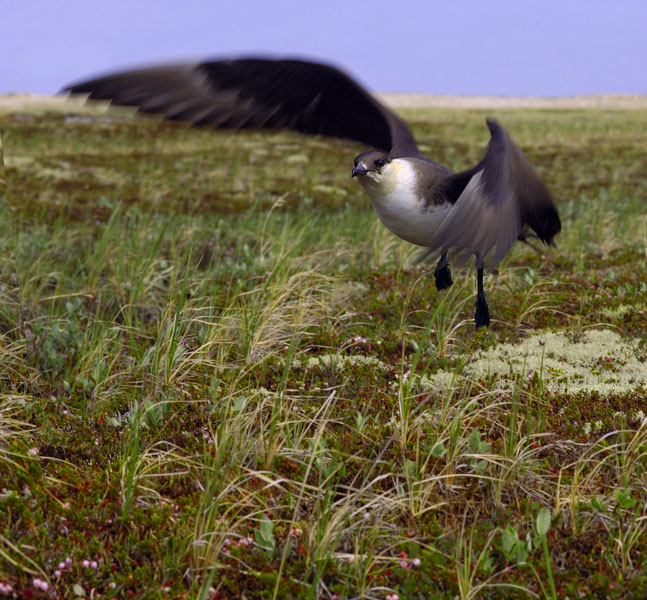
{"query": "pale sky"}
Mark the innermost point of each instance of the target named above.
(494, 47)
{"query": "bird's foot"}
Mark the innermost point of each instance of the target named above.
(482, 317)
(443, 277)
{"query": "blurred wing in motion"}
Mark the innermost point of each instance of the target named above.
(494, 201)
(257, 93)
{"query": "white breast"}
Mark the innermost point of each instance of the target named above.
(395, 199)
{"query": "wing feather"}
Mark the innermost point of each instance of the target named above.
(260, 93)
(502, 194)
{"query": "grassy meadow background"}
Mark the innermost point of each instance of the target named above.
(222, 377)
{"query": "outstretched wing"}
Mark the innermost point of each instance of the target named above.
(494, 202)
(258, 93)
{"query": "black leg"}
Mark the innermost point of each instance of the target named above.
(482, 317)
(442, 273)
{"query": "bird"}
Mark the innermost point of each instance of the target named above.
(477, 212)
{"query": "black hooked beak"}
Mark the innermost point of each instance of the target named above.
(359, 171)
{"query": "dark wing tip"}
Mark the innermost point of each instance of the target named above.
(537, 205)
(546, 223)
(494, 126)
(73, 88)
(536, 202)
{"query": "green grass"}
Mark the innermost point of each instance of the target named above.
(223, 378)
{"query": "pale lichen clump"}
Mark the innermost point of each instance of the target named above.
(618, 312)
(331, 361)
(438, 383)
(594, 361)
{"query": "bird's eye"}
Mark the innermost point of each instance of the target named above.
(379, 163)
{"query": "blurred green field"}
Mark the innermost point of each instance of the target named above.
(222, 377)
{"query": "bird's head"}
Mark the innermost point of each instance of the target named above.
(370, 166)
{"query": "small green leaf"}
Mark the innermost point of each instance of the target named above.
(410, 468)
(598, 505)
(264, 535)
(625, 499)
(438, 451)
(508, 539)
(361, 421)
(239, 403)
(475, 440)
(477, 446)
(486, 566)
(514, 549)
(543, 521)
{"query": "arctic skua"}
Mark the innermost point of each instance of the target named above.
(478, 212)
